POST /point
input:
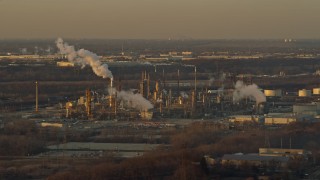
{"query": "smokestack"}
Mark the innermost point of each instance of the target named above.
(148, 86)
(115, 104)
(195, 79)
(161, 98)
(142, 75)
(163, 79)
(178, 81)
(157, 86)
(88, 102)
(142, 84)
(37, 98)
(145, 74)
(193, 100)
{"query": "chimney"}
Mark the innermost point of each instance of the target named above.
(195, 80)
(37, 98)
(88, 102)
(178, 81)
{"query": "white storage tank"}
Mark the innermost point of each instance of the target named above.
(316, 91)
(304, 93)
(273, 93)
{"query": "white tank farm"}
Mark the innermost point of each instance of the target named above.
(304, 93)
(273, 93)
(304, 108)
(316, 91)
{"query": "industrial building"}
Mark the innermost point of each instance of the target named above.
(273, 93)
(286, 118)
(304, 93)
(306, 108)
(292, 153)
(65, 64)
(254, 160)
(83, 149)
(246, 118)
(316, 91)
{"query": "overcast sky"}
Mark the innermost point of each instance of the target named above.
(215, 19)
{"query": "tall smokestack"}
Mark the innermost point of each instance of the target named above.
(193, 100)
(142, 76)
(163, 79)
(195, 80)
(115, 104)
(37, 98)
(88, 102)
(178, 81)
(148, 86)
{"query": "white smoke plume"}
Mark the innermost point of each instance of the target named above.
(184, 95)
(84, 57)
(222, 77)
(251, 91)
(211, 81)
(130, 99)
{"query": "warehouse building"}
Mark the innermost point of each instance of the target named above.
(285, 118)
(245, 118)
(254, 160)
(282, 152)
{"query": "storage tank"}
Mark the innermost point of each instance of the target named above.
(304, 93)
(316, 91)
(273, 93)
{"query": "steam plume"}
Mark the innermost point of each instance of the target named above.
(211, 80)
(84, 57)
(242, 91)
(184, 95)
(136, 101)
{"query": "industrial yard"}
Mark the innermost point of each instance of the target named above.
(63, 114)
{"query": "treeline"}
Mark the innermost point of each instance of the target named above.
(156, 165)
(188, 147)
(20, 138)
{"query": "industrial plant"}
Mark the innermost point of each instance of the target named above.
(235, 99)
(78, 106)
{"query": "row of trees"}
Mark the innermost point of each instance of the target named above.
(189, 146)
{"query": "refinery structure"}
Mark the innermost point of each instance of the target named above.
(235, 99)
(89, 107)
(186, 95)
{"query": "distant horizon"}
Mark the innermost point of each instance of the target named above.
(160, 19)
(164, 39)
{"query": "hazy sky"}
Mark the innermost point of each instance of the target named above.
(160, 19)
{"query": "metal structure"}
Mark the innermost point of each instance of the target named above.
(37, 97)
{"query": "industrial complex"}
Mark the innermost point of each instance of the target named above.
(79, 107)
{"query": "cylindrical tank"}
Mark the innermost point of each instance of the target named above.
(273, 93)
(301, 108)
(180, 100)
(69, 105)
(155, 96)
(304, 93)
(316, 91)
